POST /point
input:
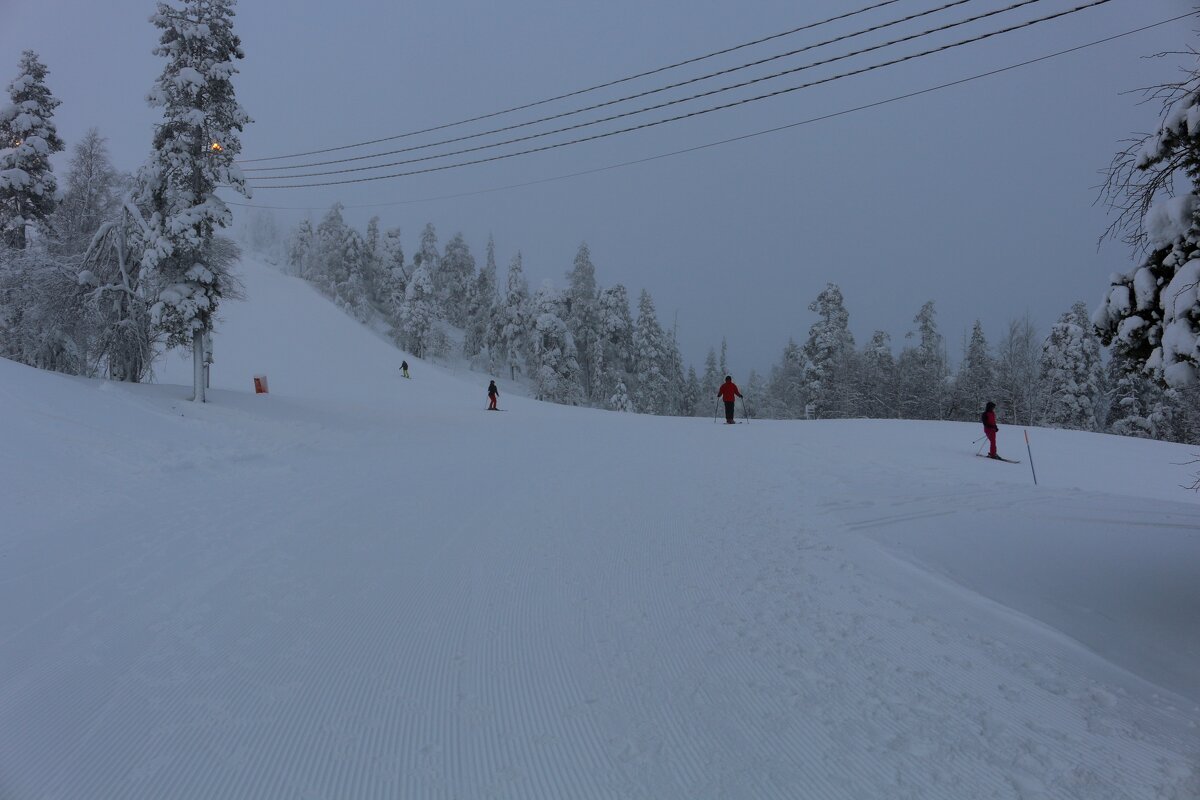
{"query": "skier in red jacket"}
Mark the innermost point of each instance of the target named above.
(990, 427)
(728, 391)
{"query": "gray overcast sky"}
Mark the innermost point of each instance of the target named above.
(979, 196)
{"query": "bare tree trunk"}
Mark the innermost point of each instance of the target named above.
(198, 366)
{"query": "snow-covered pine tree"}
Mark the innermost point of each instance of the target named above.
(583, 319)
(676, 379)
(28, 137)
(922, 370)
(326, 266)
(298, 247)
(1140, 406)
(753, 394)
(615, 364)
(693, 397)
(785, 397)
(512, 319)
(427, 254)
(975, 382)
(484, 298)
(828, 354)
(711, 381)
(653, 391)
(722, 365)
(92, 195)
(418, 312)
(620, 400)
(1071, 372)
(1152, 314)
(195, 151)
(375, 277)
(553, 365)
(879, 390)
(395, 275)
(455, 279)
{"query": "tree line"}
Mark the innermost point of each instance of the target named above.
(100, 274)
(98, 277)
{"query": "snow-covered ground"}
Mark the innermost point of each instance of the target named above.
(360, 586)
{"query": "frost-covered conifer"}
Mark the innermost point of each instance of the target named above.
(711, 381)
(922, 370)
(693, 398)
(1152, 314)
(395, 275)
(975, 383)
(786, 398)
(374, 269)
(553, 365)
(483, 300)
(1071, 372)
(615, 364)
(1140, 406)
(879, 395)
(653, 390)
(583, 319)
(327, 265)
(512, 319)
(299, 246)
(28, 137)
(620, 400)
(454, 279)
(418, 312)
(828, 353)
(753, 394)
(195, 150)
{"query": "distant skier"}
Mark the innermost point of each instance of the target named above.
(990, 427)
(404, 368)
(728, 392)
(493, 393)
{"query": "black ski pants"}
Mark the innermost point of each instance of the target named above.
(729, 410)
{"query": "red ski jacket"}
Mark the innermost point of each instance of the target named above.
(728, 391)
(989, 421)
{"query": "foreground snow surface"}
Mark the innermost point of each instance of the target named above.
(360, 586)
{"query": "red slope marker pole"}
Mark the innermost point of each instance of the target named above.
(1030, 452)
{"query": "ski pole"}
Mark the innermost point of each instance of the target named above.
(716, 410)
(745, 413)
(1030, 452)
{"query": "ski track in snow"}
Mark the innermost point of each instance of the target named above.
(400, 597)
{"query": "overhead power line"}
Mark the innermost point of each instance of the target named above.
(655, 123)
(577, 92)
(655, 107)
(809, 121)
(646, 93)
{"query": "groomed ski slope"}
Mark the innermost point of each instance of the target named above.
(360, 586)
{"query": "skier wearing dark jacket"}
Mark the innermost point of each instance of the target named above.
(493, 393)
(728, 391)
(990, 427)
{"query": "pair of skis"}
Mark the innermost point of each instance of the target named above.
(998, 458)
